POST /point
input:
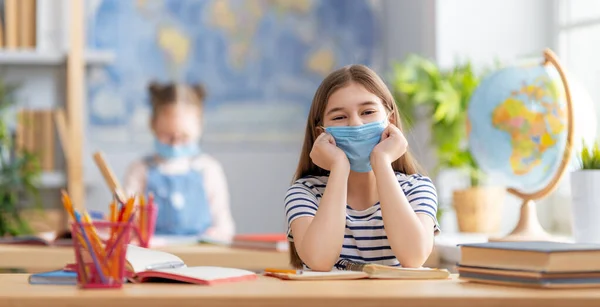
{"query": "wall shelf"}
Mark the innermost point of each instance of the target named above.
(55, 180)
(39, 58)
(52, 180)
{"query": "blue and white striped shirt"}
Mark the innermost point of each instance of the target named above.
(365, 239)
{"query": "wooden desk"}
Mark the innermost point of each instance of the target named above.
(40, 258)
(43, 258)
(15, 291)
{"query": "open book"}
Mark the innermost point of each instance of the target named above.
(144, 265)
(148, 265)
(348, 269)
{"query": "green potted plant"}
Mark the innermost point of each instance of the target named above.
(19, 172)
(424, 91)
(586, 195)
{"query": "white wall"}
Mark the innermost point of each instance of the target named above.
(483, 30)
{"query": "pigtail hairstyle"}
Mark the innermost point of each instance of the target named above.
(165, 94)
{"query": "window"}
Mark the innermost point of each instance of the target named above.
(579, 44)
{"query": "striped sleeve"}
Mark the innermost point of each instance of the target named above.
(299, 201)
(422, 196)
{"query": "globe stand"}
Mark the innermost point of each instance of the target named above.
(528, 228)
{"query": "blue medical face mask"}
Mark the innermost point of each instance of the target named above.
(176, 151)
(358, 142)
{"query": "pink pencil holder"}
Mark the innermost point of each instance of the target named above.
(145, 223)
(100, 253)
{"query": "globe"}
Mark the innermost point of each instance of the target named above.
(522, 130)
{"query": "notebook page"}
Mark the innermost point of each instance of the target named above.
(312, 275)
(141, 259)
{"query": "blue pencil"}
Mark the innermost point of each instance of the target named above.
(90, 248)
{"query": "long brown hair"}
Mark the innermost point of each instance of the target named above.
(336, 80)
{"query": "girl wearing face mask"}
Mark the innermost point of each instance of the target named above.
(189, 186)
(357, 193)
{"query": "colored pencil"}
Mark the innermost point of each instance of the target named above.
(87, 240)
(84, 270)
(69, 208)
(111, 217)
(283, 271)
(118, 239)
(97, 245)
(140, 219)
(151, 217)
(124, 213)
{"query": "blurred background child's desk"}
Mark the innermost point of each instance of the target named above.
(43, 258)
(15, 291)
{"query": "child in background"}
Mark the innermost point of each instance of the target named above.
(189, 186)
(355, 176)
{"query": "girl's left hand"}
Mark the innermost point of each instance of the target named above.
(392, 146)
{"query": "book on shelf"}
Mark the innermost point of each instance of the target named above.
(35, 134)
(19, 24)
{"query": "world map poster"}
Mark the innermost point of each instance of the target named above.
(259, 60)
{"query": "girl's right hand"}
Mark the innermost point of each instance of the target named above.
(325, 154)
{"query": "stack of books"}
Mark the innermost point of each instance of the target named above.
(531, 264)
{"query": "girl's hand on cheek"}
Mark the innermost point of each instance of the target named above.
(392, 146)
(326, 155)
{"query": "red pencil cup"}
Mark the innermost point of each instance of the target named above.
(145, 222)
(100, 249)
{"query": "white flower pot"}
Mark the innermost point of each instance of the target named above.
(585, 191)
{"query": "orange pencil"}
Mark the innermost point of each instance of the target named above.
(113, 210)
(69, 208)
(142, 219)
(112, 217)
(67, 204)
(284, 271)
(110, 260)
(128, 210)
